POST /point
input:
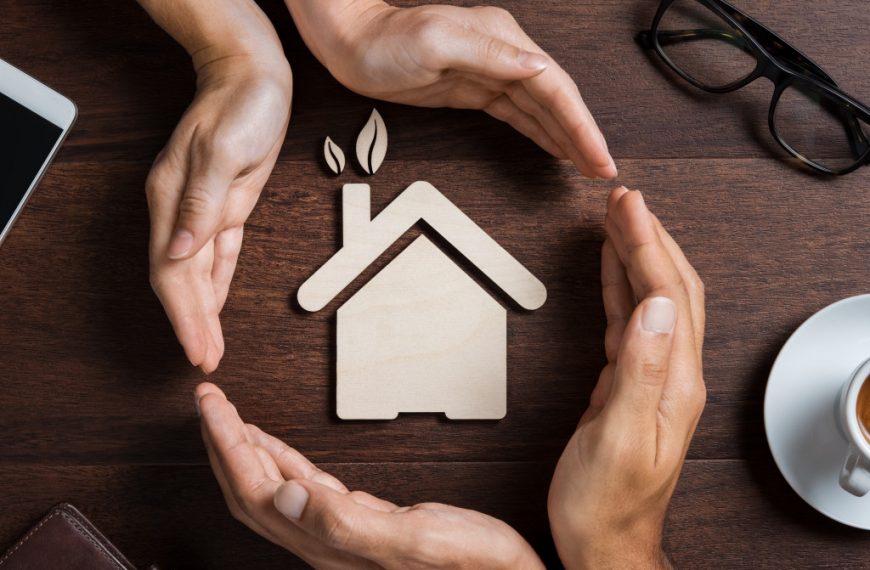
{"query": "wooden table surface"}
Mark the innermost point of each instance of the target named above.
(96, 402)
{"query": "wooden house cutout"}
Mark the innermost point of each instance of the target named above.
(421, 335)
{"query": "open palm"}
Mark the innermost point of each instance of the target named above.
(469, 58)
(283, 497)
(201, 190)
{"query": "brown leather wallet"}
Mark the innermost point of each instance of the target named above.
(64, 538)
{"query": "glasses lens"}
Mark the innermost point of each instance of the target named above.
(817, 127)
(703, 45)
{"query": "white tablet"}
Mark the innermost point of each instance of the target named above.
(34, 120)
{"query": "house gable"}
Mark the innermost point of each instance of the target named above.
(365, 240)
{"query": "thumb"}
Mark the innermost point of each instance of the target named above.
(473, 52)
(339, 521)
(202, 204)
(643, 364)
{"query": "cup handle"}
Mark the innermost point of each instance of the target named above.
(855, 475)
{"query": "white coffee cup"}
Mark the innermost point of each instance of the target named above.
(855, 475)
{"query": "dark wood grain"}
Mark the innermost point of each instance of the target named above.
(723, 515)
(132, 82)
(96, 401)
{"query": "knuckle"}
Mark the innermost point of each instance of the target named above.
(158, 184)
(491, 49)
(195, 203)
(436, 554)
(497, 15)
(698, 289)
(429, 31)
(693, 283)
(680, 283)
(156, 281)
(235, 512)
(250, 499)
(652, 368)
(218, 148)
(162, 281)
(698, 397)
(337, 529)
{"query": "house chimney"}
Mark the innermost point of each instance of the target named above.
(356, 211)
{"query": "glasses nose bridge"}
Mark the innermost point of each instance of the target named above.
(776, 74)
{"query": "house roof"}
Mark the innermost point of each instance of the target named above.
(421, 201)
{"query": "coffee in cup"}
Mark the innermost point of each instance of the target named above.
(862, 409)
(855, 419)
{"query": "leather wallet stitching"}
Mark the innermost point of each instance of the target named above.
(87, 535)
(82, 531)
(27, 537)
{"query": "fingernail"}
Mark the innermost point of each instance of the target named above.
(659, 315)
(531, 60)
(290, 500)
(181, 243)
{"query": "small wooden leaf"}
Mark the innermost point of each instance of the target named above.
(333, 155)
(371, 144)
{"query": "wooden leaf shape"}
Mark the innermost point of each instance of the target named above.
(333, 155)
(371, 144)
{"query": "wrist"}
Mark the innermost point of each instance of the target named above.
(591, 556)
(609, 546)
(220, 34)
(329, 29)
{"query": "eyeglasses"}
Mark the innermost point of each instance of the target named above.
(717, 48)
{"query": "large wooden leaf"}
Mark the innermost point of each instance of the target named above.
(333, 155)
(371, 144)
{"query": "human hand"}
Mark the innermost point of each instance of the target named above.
(446, 56)
(207, 179)
(614, 481)
(276, 492)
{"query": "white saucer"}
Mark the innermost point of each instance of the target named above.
(801, 404)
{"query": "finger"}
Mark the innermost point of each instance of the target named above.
(642, 369)
(248, 482)
(202, 204)
(261, 516)
(503, 109)
(169, 281)
(204, 388)
(294, 465)
(600, 395)
(618, 298)
(187, 294)
(163, 189)
(177, 289)
(693, 282)
(340, 522)
(653, 272)
(649, 267)
(269, 465)
(521, 98)
(215, 332)
(373, 502)
(226, 490)
(556, 91)
(291, 463)
(229, 498)
(469, 51)
(227, 246)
